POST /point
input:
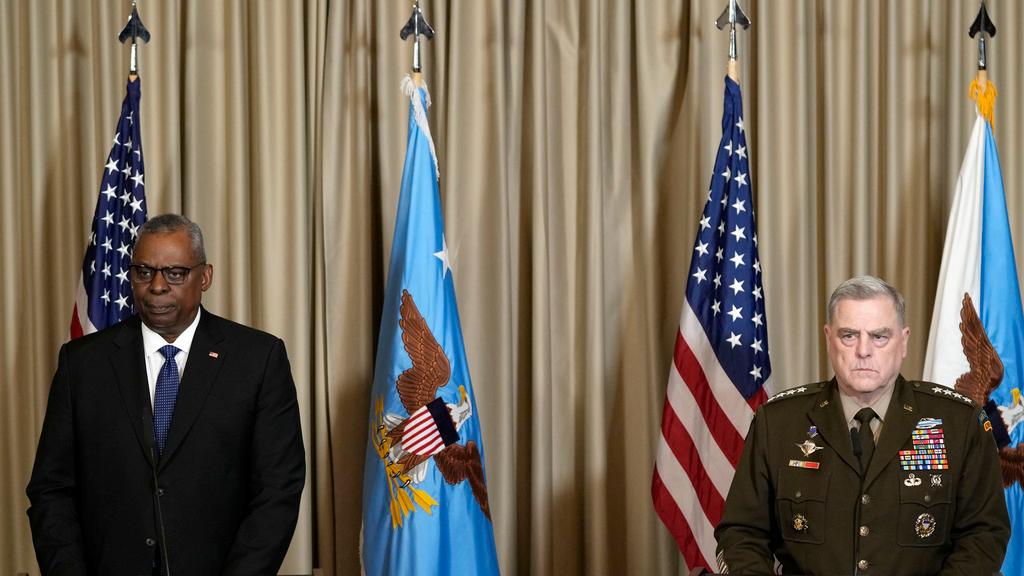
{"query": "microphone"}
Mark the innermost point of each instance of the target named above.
(858, 449)
(161, 532)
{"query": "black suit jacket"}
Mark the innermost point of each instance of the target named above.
(230, 476)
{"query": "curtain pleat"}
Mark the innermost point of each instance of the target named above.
(575, 141)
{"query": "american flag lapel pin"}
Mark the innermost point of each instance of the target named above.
(214, 355)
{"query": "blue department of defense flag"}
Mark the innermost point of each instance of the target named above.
(978, 259)
(425, 505)
(721, 367)
(104, 295)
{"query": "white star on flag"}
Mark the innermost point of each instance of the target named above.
(737, 259)
(442, 255)
(733, 339)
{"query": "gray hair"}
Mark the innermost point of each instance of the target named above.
(866, 288)
(166, 223)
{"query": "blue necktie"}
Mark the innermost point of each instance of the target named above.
(166, 394)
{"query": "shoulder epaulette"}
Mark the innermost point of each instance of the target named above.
(942, 392)
(798, 391)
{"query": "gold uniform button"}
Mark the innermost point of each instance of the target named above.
(863, 564)
(865, 499)
(927, 498)
(864, 530)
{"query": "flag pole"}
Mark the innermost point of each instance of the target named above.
(982, 90)
(416, 26)
(732, 16)
(134, 30)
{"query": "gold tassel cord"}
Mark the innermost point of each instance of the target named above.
(984, 93)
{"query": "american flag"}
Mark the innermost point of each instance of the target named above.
(104, 292)
(720, 366)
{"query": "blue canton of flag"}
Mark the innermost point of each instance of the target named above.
(425, 505)
(104, 294)
(724, 288)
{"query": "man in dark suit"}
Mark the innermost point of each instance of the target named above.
(867, 473)
(171, 442)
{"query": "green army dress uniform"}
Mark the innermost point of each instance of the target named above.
(798, 493)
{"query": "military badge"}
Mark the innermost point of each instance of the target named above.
(912, 481)
(928, 423)
(808, 447)
(800, 523)
(925, 525)
(812, 431)
(936, 480)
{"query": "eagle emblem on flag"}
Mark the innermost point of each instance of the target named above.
(431, 429)
(985, 375)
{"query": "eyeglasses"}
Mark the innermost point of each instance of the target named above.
(172, 274)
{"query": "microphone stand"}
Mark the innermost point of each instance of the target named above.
(161, 532)
(858, 450)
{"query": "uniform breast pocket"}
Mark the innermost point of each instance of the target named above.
(925, 502)
(800, 504)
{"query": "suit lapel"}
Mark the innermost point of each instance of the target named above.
(900, 419)
(827, 415)
(201, 369)
(127, 360)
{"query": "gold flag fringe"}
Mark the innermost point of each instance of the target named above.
(984, 93)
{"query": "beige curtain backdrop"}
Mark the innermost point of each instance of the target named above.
(575, 142)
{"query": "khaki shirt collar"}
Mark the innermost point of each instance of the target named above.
(880, 406)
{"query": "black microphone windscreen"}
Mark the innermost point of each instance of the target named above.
(855, 438)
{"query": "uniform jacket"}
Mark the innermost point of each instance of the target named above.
(229, 478)
(823, 518)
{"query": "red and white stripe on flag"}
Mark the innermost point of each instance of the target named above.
(704, 423)
(421, 435)
(80, 323)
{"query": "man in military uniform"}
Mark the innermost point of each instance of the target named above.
(867, 473)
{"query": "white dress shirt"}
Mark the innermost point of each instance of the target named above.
(153, 342)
